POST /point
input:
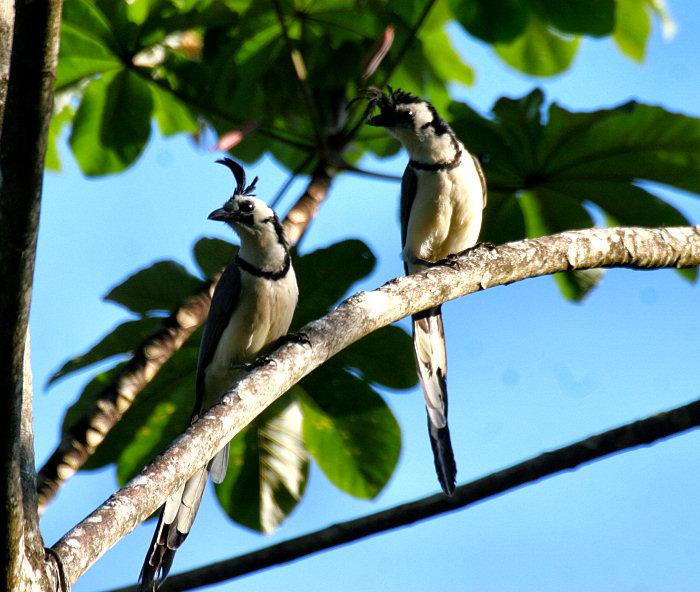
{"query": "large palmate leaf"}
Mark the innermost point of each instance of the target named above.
(350, 431)
(229, 64)
(268, 469)
(121, 340)
(112, 123)
(546, 171)
(160, 287)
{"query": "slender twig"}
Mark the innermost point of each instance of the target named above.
(295, 56)
(280, 135)
(408, 43)
(290, 180)
(351, 168)
(355, 129)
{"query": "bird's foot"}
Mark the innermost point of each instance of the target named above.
(300, 338)
(246, 367)
(487, 246)
(452, 260)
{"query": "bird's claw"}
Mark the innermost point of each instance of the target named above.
(249, 367)
(452, 260)
(300, 338)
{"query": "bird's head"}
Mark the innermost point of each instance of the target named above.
(249, 216)
(405, 116)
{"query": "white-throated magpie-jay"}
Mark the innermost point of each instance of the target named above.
(443, 193)
(251, 309)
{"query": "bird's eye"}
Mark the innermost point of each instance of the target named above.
(405, 116)
(246, 207)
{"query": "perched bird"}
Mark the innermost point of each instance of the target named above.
(443, 193)
(251, 309)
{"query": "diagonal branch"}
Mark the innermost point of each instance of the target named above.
(359, 315)
(642, 432)
(81, 439)
(301, 214)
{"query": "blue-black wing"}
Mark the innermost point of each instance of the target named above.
(223, 303)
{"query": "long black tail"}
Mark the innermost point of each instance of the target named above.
(444, 457)
(173, 527)
(431, 363)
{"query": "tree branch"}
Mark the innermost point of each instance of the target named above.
(83, 437)
(28, 100)
(639, 433)
(359, 315)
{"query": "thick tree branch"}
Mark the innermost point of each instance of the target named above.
(639, 433)
(483, 267)
(28, 100)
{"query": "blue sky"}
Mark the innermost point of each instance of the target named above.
(528, 371)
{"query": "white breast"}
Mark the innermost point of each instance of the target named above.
(446, 214)
(264, 313)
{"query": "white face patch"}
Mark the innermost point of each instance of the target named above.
(422, 116)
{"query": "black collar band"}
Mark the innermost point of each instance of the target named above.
(268, 275)
(437, 166)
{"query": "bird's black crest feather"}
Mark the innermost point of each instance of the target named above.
(386, 101)
(239, 174)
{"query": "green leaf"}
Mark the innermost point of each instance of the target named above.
(112, 123)
(174, 116)
(494, 21)
(268, 469)
(624, 204)
(576, 285)
(384, 357)
(160, 287)
(350, 431)
(503, 219)
(632, 28)
(627, 144)
(325, 276)
(584, 17)
(159, 414)
(539, 50)
(446, 62)
(89, 393)
(212, 255)
(446, 65)
(122, 339)
(61, 116)
(546, 212)
(88, 45)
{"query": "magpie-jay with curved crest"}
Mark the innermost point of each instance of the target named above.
(443, 193)
(251, 308)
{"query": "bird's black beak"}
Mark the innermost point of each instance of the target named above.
(220, 215)
(381, 120)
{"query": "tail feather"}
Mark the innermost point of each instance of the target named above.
(173, 527)
(445, 466)
(431, 362)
